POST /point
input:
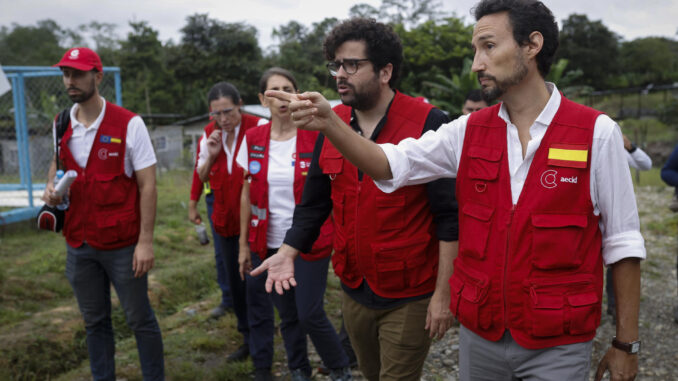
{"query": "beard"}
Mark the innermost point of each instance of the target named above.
(491, 94)
(83, 95)
(364, 98)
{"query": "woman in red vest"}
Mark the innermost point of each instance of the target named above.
(276, 157)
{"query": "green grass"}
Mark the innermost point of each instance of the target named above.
(41, 331)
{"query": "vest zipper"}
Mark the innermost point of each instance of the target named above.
(506, 264)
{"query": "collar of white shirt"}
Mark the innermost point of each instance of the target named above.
(79, 128)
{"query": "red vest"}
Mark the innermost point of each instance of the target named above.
(227, 186)
(258, 143)
(387, 239)
(534, 268)
(104, 202)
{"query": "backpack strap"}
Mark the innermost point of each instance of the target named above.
(63, 120)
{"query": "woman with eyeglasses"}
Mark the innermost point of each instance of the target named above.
(276, 157)
(218, 146)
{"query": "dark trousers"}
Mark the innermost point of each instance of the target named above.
(91, 272)
(222, 274)
(260, 315)
(229, 255)
(311, 277)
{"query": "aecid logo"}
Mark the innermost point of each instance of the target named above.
(549, 179)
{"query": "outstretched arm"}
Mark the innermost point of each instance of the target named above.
(311, 111)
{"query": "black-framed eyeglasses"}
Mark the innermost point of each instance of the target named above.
(350, 66)
(226, 111)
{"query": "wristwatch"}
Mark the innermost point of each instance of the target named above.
(632, 347)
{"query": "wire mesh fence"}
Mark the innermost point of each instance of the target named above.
(26, 138)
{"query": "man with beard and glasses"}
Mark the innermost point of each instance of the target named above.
(392, 252)
(545, 199)
(109, 223)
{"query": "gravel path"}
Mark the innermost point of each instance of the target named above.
(659, 355)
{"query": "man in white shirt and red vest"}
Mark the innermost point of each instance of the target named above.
(109, 223)
(392, 252)
(545, 201)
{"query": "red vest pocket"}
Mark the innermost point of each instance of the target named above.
(108, 191)
(556, 240)
(483, 163)
(474, 228)
(469, 293)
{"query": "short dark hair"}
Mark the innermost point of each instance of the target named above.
(263, 82)
(475, 95)
(382, 44)
(224, 90)
(526, 16)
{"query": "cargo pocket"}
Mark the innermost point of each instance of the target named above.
(109, 192)
(390, 214)
(483, 163)
(396, 271)
(561, 306)
(474, 227)
(469, 292)
(112, 230)
(556, 239)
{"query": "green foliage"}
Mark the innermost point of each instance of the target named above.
(591, 47)
(649, 60)
(449, 94)
(432, 50)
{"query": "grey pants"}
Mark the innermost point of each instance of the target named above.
(481, 359)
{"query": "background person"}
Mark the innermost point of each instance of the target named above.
(277, 157)
(110, 221)
(533, 190)
(197, 188)
(392, 252)
(669, 174)
(218, 147)
(474, 101)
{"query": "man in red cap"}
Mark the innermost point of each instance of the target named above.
(109, 223)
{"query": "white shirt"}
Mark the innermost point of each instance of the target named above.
(639, 159)
(281, 157)
(139, 153)
(437, 153)
(203, 153)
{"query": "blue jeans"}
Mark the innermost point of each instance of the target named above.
(91, 272)
(222, 274)
(260, 314)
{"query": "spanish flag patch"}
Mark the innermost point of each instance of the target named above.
(568, 155)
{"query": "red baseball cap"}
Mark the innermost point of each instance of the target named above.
(84, 59)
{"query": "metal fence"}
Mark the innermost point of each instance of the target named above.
(26, 140)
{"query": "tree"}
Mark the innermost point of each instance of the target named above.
(433, 49)
(212, 51)
(148, 85)
(449, 94)
(650, 60)
(408, 13)
(301, 52)
(31, 45)
(590, 47)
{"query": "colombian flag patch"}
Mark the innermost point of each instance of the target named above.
(568, 155)
(109, 139)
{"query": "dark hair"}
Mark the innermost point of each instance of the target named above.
(224, 90)
(526, 16)
(475, 95)
(382, 44)
(263, 82)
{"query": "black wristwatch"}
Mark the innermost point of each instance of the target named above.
(632, 347)
(633, 148)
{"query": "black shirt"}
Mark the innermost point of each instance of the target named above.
(316, 205)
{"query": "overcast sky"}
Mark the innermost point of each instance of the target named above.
(629, 18)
